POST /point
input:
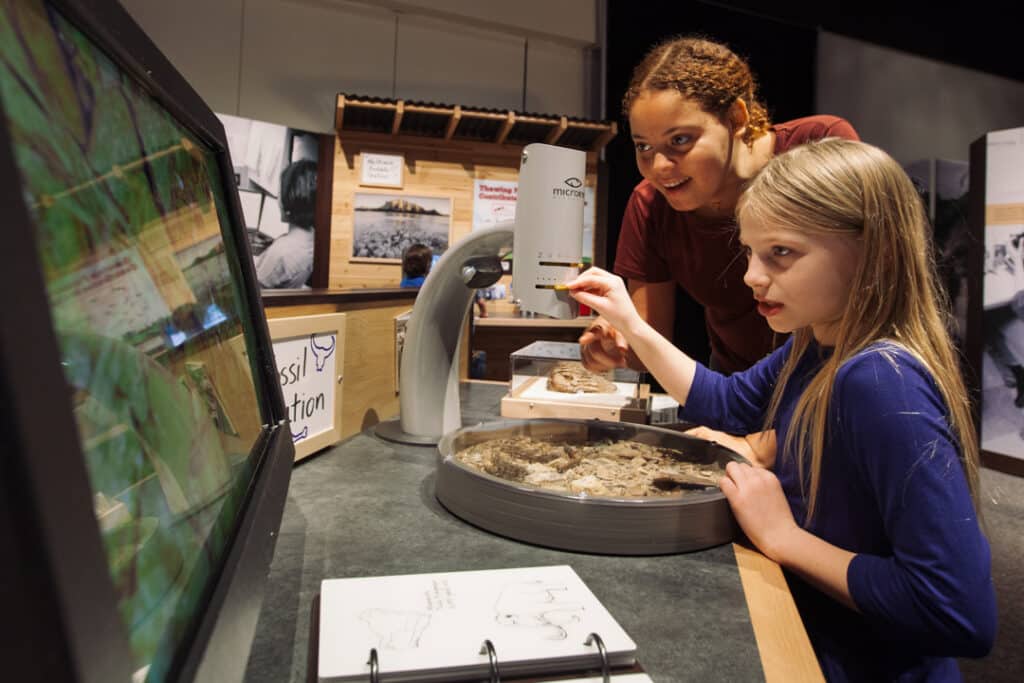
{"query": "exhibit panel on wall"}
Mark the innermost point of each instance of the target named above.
(310, 353)
(996, 332)
(433, 153)
(276, 170)
(385, 224)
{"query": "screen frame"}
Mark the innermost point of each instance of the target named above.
(57, 579)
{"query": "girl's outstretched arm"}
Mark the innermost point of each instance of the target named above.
(759, 447)
(607, 294)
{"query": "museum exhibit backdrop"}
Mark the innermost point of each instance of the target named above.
(1002, 358)
(275, 168)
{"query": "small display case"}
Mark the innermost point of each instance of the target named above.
(548, 380)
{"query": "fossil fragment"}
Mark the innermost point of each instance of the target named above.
(614, 468)
(572, 378)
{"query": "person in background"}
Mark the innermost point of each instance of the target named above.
(701, 133)
(869, 500)
(416, 262)
(480, 303)
(288, 262)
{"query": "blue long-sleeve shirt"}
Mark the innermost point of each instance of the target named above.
(892, 490)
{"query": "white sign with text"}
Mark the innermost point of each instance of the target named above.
(381, 170)
(493, 201)
(309, 352)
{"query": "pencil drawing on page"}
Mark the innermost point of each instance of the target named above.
(538, 605)
(396, 629)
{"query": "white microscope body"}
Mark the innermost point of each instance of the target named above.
(548, 242)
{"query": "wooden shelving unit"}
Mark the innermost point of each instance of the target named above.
(458, 123)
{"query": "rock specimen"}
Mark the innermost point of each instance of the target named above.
(615, 469)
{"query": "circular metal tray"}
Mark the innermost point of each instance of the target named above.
(581, 522)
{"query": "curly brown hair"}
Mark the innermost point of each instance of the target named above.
(704, 71)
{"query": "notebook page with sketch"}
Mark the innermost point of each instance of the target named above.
(430, 627)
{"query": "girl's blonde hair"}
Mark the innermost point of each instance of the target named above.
(704, 71)
(842, 186)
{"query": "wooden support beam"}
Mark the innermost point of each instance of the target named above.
(399, 112)
(453, 122)
(421, 109)
(339, 112)
(557, 131)
(506, 128)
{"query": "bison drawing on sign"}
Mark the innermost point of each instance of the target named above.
(321, 352)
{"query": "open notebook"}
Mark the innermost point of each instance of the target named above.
(432, 627)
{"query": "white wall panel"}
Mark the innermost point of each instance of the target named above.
(284, 61)
(562, 20)
(205, 51)
(297, 57)
(914, 108)
(554, 79)
(442, 62)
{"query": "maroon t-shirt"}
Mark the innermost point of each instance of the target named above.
(658, 244)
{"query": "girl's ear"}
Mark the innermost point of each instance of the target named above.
(738, 117)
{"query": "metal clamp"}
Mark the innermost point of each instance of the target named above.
(606, 672)
(492, 657)
(374, 668)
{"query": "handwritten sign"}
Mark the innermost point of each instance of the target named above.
(309, 352)
(381, 170)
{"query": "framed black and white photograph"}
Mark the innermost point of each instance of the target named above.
(384, 225)
(997, 343)
(276, 171)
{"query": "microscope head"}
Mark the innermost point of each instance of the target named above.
(548, 239)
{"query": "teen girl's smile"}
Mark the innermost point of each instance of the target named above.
(799, 278)
(682, 150)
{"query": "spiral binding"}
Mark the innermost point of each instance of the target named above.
(487, 648)
(492, 658)
(374, 668)
(606, 673)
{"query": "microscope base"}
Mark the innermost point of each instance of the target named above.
(391, 430)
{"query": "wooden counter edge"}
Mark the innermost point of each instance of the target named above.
(785, 649)
(509, 321)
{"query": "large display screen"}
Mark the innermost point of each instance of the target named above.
(135, 241)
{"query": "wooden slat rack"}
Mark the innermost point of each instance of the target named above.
(446, 123)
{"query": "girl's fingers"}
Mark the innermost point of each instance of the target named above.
(738, 472)
(596, 356)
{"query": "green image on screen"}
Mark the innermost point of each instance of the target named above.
(131, 227)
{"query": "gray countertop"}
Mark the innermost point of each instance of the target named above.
(366, 507)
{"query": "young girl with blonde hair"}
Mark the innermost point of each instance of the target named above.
(870, 503)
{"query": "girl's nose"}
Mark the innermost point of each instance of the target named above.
(755, 277)
(661, 161)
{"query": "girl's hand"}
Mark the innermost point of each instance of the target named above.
(605, 293)
(602, 347)
(756, 498)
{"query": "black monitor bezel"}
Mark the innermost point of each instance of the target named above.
(69, 626)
